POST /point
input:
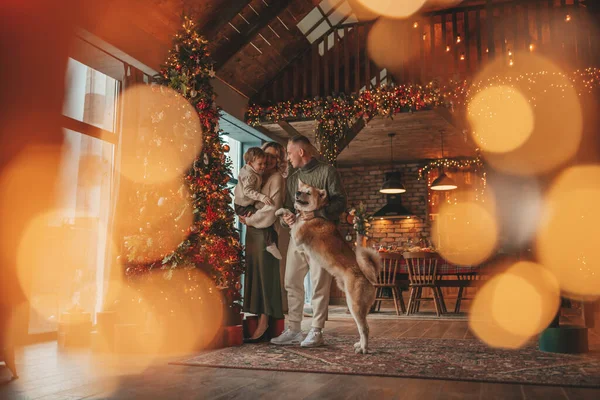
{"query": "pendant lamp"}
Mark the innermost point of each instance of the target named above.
(392, 184)
(443, 181)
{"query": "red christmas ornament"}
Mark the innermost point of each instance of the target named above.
(226, 148)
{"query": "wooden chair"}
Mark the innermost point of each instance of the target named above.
(462, 291)
(422, 273)
(387, 279)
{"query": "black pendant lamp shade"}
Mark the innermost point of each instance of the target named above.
(443, 181)
(392, 183)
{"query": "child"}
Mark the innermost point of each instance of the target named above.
(247, 193)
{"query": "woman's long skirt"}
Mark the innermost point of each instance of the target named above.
(262, 284)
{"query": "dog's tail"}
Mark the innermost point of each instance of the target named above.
(369, 263)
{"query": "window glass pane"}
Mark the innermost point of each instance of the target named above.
(326, 5)
(318, 32)
(339, 13)
(310, 20)
(91, 96)
(234, 154)
(82, 209)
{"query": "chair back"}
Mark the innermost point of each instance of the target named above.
(422, 267)
(390, 265)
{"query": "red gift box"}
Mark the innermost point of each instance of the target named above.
(234, 335)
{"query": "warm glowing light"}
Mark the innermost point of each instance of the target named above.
(447, 48)
(501, 119)
(526, 299)
(415, 25)
(555, 105)
(511, 62)
(58, 255)
(514, 306)
(167, 216)
(510, 53)
(462, 56)
(531, 47)
(458, 39)
(465, 233)
(170, 135)
(567, 239)
(568, 17)
(393, 8)
(389, 46)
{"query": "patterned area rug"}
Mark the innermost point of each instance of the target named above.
(449, 359)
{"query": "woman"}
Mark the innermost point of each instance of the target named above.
(262, 283)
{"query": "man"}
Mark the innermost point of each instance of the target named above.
(323, 176)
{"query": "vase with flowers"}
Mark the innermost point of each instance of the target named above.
(361, 222)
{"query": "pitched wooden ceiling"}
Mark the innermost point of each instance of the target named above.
(250, 40)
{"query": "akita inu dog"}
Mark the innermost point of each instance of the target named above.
(355, 273)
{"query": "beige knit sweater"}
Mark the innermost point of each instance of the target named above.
(274, 188)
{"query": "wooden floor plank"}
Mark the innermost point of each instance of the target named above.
(500, 391)
(49, 374)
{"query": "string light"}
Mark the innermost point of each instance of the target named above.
(458, 39)
(568, 18)
(336, 116)
(531, 47)
(462, 56)
(415, 24)
(447, 49)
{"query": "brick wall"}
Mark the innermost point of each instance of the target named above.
(363, 183)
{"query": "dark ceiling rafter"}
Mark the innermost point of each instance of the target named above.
(289, 129)
(222, 17)
(307, 45)
(237, 43)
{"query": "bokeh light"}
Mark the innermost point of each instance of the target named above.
(389, 44)
(567, 238)
(54, 259)
(393, 8)
(527, 297)
(557, 115)
(465, 233)
(501, 118)
(515, 305)
(167, 131)
(168, 215)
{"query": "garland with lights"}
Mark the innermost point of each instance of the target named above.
(211, 243)
(336, 115)
(474, 164)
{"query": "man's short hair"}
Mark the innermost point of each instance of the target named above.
(301, 140)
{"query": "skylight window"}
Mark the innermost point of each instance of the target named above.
(325, 16)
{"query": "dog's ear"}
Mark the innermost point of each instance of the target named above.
(322, 194)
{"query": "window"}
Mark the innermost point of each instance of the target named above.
(83, 196)
(328, 14)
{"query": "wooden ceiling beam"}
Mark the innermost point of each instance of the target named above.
(224, 53)
(222, 17)
(270, 135)
(351, 134)
(289, 129)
